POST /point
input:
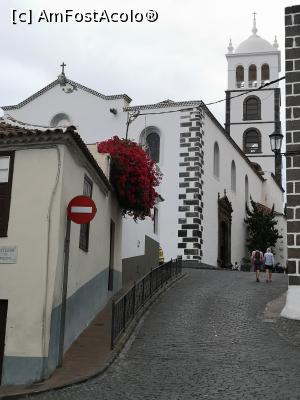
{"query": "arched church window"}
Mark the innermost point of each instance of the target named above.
(246, 189)
(216, 160)
(233, 176)
(252, 76)
(265, 73)
(252, 108)
(252, 141)
(150, 138)
(239, 73)
(60, 119)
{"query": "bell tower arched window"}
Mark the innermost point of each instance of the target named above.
(265, 73)
(252, 76)
(252, 141)
(252, 108)
(239, 74)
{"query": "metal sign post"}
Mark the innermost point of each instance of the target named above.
(81, 210)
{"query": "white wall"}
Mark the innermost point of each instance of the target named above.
(89, 113)
(28, 284)
(23, 283)
(212, 186)
(169, 130)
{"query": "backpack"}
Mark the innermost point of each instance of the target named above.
(257, 258)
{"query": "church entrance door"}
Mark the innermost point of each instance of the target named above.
(224, 247)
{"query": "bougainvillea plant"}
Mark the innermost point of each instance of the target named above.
(133, 174)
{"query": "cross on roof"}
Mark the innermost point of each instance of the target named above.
(63, 65)
(254, 14)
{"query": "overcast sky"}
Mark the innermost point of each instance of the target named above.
(178, 57)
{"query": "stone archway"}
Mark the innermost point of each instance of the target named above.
(224, 232)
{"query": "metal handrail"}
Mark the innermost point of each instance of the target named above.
(125, 308)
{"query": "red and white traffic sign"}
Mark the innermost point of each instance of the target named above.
(81, 210)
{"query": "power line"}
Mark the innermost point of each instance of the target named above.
(137, 114)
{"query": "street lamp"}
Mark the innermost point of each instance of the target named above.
(276, 142)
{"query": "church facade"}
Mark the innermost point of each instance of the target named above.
(209, 171)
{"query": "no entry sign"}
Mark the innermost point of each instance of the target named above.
(81, 210)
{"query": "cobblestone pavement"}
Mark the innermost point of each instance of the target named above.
(205, 338)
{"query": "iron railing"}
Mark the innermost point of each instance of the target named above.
(125, 308)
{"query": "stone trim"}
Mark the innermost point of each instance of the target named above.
(190, 205)
(292, 33)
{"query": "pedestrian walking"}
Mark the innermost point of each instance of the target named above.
(269, 264)
(257, 258)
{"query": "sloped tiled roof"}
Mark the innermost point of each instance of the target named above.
(13, 134)
(77, 85)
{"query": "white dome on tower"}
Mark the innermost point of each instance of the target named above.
(254, 44)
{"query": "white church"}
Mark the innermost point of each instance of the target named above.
(209, 171)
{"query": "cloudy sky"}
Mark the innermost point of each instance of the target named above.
(178, 57)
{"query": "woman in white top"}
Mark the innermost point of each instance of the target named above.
(269, 264)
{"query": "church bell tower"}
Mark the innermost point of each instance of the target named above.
(251, 114)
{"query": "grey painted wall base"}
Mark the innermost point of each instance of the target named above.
(82, 307)
(134, 268)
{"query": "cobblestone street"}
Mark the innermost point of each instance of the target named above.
(205, 338)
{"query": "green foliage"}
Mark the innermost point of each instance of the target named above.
(261, 227)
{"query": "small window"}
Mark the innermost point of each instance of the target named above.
(216, 160)
(4, 169)
(233, 176)
(246, 190)
(252, 141)
(85, 228)
(265, 72)
(251, 108)
(60, 119)
(155, 220)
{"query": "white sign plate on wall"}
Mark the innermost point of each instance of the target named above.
(8, 254)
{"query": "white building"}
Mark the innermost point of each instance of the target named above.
(207, 177)
(97, 117)
(40, 172)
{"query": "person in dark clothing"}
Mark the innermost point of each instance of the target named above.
(257, 258)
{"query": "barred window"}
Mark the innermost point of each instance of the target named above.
(85, 228)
